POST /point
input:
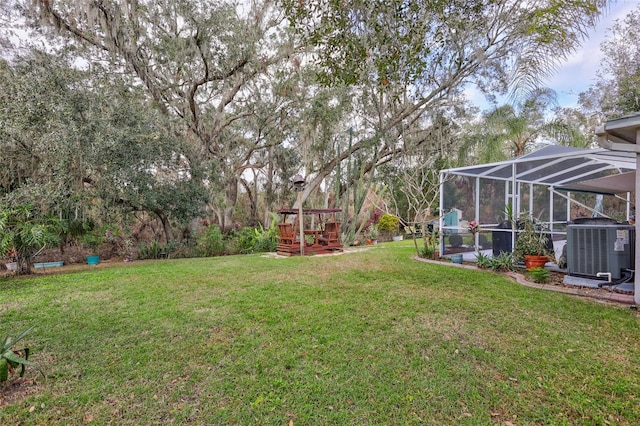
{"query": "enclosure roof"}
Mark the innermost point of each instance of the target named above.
(553, 166)
(613, 184)
(620, 133)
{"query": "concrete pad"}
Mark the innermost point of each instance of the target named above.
(582, 282)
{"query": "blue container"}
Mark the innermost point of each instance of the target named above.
(48, 264)
(93, 260)
(456, 258)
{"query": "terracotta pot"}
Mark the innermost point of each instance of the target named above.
(531, 262)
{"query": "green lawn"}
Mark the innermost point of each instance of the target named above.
(363, 338)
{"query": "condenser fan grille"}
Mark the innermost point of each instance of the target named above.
(600, 248)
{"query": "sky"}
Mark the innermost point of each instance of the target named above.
(578, 72)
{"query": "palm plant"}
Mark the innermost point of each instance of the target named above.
(514, 130)
(11, 358)
(24, 234)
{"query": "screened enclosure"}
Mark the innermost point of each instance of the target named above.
(479, 205)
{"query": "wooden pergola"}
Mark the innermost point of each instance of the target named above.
(321, 232)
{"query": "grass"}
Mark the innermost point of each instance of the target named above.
(364, 338)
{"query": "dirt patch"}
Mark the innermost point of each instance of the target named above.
(337, 253)
(17, 389)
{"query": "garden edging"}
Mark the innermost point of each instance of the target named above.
(619, 298)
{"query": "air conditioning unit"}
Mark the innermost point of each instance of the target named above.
(600, 248)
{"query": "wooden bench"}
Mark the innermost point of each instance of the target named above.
(286, 234)
(331, 234)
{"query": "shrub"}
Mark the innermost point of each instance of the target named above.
(182, 250)
(389, 223)
(257, 240)
(503, 262)
(483, 261)
(152, 251)
(93, 238)
(266, 239)
(540, 275)
(430, 240)
(244, 240)
(428, 252)
(211, 243)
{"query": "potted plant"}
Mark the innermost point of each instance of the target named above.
(473, 228)
(372, 234)
(532, 244)
(390, 225)
(11, 265)
(92, 240)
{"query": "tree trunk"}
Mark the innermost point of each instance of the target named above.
(220, 217)
(232, 199)
(269, 196)
(166, 227)
(228, 219)
(24, 264)
(252, 194)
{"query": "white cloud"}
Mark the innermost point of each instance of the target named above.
(578, 72)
